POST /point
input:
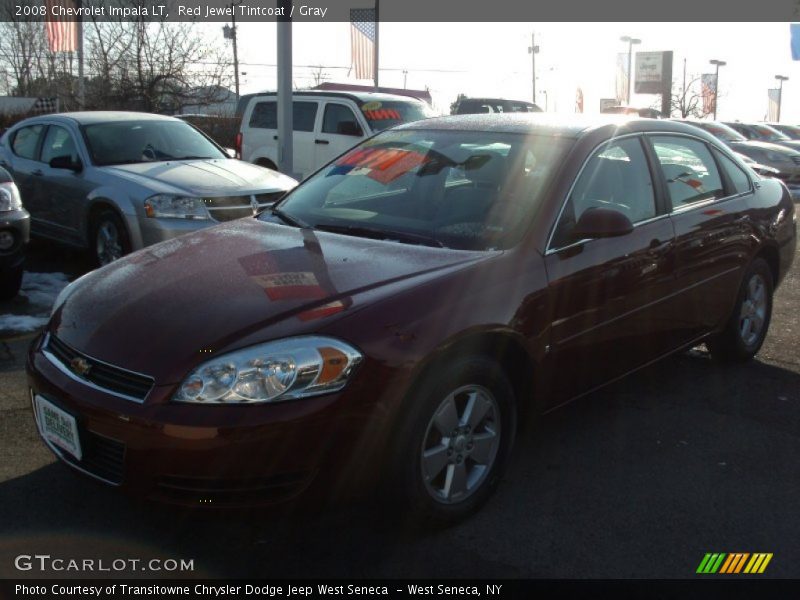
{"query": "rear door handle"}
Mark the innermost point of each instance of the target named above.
(274, 137)
(38, 173)
(658, 247)
(321, 142)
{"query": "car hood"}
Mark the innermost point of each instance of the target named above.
(162, 310)
(212, 177)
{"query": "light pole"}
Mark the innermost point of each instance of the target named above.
(533, 50)
(631, 41)
(781, 79)
(405, 78)
(545, 100)
(717, 64)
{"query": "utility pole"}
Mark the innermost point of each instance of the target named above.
(781, 79)
(285, 108)
(683, 96)
(631, 41)
(375, 49)
(405, 79)
(533, 50)
(717, 64)
(81, 80)
(231, 33)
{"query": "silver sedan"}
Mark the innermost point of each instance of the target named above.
(114, 182)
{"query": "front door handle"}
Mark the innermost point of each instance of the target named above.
(321, 142)
(657, 247)
(38, 173)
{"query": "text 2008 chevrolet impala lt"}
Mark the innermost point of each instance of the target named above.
(393, 317)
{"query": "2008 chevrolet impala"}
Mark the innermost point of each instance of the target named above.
(394, 316)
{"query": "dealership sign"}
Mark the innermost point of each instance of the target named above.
(653, 72)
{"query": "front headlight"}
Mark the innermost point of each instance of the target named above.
(275, 371)
(175, 207)
(9, 197)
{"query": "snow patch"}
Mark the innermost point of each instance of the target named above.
(40, 290)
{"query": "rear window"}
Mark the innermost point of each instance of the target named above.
(383, 115)
(265, 115)
(722, 132)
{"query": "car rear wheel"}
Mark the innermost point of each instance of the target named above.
(455, 441)
(746, 329)
(10, 282)
(110, 239)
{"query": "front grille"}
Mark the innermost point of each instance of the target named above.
(228, 208)
(230, 492)
(102, 457)
(108, 377)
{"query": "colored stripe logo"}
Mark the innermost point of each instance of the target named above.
(734, 563)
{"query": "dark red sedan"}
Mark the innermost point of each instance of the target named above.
(396, 315)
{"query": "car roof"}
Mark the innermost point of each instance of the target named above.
(359, 97)
(104, 116)
(573, 126)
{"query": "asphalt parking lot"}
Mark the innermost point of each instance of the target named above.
(638, 480)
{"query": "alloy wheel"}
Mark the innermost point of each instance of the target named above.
(754, 310)
(108, 245)
(460, 444)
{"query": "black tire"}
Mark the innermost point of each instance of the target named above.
(406, 483)
(267, 164)
(738, 342)
(105, 223)
(10, 282)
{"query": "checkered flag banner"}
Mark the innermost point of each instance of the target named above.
(362, 42)
(45, 105)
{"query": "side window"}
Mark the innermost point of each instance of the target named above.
(304, 114)
(335, 116)
(689, 169)
(58, 142)
(615, 177)
(26, 141)
(264, 116)
(739, 179)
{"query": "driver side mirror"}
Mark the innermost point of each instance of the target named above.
(349, 128)
(66, 162)
(601, 223)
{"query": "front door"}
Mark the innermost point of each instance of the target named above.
(608, 297)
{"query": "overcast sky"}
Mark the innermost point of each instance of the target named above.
(492, 59)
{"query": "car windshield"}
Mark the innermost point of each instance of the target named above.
(723, 132)
(382, 115)
(128, 142)
(768, 134)
(454, 189)
(790, 130)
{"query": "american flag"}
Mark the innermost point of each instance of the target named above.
(362, 42)
(708, 91)
(62, 35)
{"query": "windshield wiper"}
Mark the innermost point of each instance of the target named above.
(288, 219)
(193, 157)
(382, 234)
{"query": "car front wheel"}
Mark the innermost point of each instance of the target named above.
(747, 327)
(456, 441)
(109, 238)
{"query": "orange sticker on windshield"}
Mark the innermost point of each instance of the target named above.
(385, 164)
(384, 114)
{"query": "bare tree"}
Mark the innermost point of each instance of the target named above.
(687, 99)
(24, 53)
(318, 75)
(154, 66)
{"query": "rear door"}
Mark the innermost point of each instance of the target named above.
(708, 195)
(609, 297)
(339, 131)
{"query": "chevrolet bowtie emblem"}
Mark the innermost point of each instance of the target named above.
(80, 365)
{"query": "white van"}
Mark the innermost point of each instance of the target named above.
(326, 124)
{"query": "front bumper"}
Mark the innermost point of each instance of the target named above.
(205, 455)
(18, 223)
(160, 230)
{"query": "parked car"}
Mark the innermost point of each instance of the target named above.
(470, 106)
(761, 132)
(791, 131)
(119, 181)
(397, 314)
(650, 113)
(14, 232)
(326, 124)
(784, 162)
